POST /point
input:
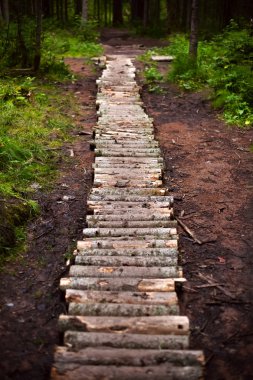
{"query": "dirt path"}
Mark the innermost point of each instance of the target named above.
(209, 170)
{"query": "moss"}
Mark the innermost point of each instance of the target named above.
(14, 213)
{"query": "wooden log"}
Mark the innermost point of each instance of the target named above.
(130, 191)
(126, 139)
(78, 340)
(127, 171)
(114, 261)
(115, 145)
(126, 357)
(132, 244)
(144, 129)
(157, 325)
(119, 150)
(130, 198)
(117, 284)
(93, 232)
(124, 183)
(154, 213)
(118, 166)
(128, 160)
(126, 297)
(93, 222)
(107, 205)
(162, 372)
(108, 153)
(131, 252)
(124, 310)
(119, 272)
(133, 217)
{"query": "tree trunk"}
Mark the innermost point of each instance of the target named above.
(66, 16)
(84, 10)
(78, 7)
(37, 55)
(193, 49)
(105, 12)
(6, 11)
(146, 14)
(117, 13)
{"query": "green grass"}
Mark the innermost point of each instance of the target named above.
(224, 65)
(34, 125)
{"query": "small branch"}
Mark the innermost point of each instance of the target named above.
(189, 232)
(211, 282)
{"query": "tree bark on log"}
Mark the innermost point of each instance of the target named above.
(124, 310)
(162, 372)
(133, 244)
(79, 340)
(157, 325)
(126, 297)
(118, 284)
(140, 261)
(119, 272)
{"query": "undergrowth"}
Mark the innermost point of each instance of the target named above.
(33, 126)
(224, 64)
(34, 120)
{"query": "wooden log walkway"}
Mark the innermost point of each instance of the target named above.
(123, 318)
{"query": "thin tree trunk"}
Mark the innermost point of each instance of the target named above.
(146, 14)
(37, 55)
(6, 12)
(105, 12)
(1, 14)
(117, 12)
(66, 11)
(193, 49)
(84, 10)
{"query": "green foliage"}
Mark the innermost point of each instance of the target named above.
(33, 126)
(15, 51)
(152, 78)
(60, 43)
(224, 64)
(30, 126)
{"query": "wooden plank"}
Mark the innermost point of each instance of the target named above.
(138, 261)
(134, 217)
(121, 297)
(125, 357)
(162, 372)
(129, 172)
(78, 340)
(129, 252)
(106, 205)
(141, 212)
(157, 325)
(95, 232)
(132, 244)
(124, 310)
(130, 223)
(131, 198)
(130, 191)
(124, 183)
(119, 272)
(117, 284)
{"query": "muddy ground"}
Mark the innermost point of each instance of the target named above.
(209, 172)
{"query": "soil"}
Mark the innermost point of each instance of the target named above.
(209, 172)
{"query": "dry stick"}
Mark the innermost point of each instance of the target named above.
(189, 232)
(210, 281)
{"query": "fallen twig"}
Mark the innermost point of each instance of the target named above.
(189, 232)
(211, 282)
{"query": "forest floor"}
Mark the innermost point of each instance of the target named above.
(209, 172)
